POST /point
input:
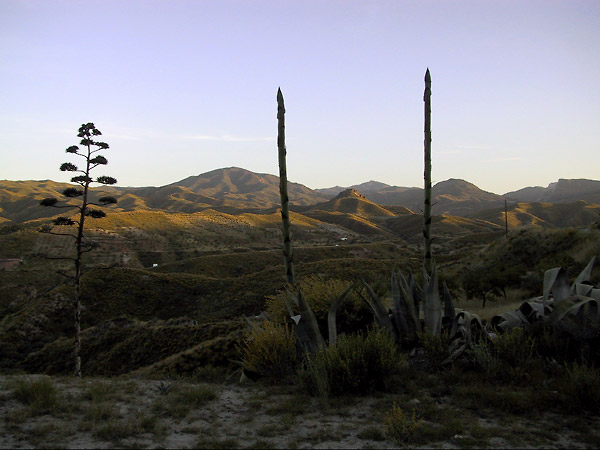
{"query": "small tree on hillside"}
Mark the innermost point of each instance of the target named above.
(87, 132)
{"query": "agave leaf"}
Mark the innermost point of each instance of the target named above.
(331, 315)
(595, 294)
(586, 273)
(449, 310)
(398, 311)
(404, 311)
(508, 320)
(415, 291)
(411, 305)
(307, 329)
(578, 316)
(556, 281)
(433, 305)
(534, 311)
(582, 289)
(381, 315)
(465, 326)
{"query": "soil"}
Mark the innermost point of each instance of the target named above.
(141, 413)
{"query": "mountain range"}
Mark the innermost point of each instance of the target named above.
(235, 191)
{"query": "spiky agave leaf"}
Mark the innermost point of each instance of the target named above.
(586, 273)
(406, 317)
(449, 310)
(433, 305)
(307, 328)
(331, 315)
(381, 315)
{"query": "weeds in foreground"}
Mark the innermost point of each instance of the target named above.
(40, 395)
(581, 388)
(437, 347)
(180, 401)
(400, 427)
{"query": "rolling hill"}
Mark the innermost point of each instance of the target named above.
(546, 215)
(562, 191)
(235, 191)
(453, 197)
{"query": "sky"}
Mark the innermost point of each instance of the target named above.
(183, 87)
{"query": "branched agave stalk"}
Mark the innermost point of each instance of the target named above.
(88, 133)
(283, 192)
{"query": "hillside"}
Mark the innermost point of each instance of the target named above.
(562, 191)
(547, 215)
(234, 190)
(453, 197)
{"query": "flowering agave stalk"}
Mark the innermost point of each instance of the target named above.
(283, 191)
(91, 160)
(427, 175)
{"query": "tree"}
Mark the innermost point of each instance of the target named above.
(91, 147)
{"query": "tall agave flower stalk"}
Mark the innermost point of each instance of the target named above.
(427, 201)
(285, 210)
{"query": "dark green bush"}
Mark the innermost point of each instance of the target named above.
(358, 364)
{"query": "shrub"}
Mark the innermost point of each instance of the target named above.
(353, 315)
(504, 359)
(270, 350)
(580, 388)
(357, 364)
(484, 359)
(514, 348)
(437, 347)
(400, 427)
(40, 395)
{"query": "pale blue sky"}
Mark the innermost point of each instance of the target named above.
(184, 87)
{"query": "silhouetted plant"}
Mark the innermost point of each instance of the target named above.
(91, 147)
(283, 191)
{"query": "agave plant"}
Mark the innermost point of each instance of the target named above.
(572, 309)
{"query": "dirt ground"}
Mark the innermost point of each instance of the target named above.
(60, 412)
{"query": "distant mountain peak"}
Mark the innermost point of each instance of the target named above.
(350, 193)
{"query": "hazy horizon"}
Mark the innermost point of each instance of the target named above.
(181, 88)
